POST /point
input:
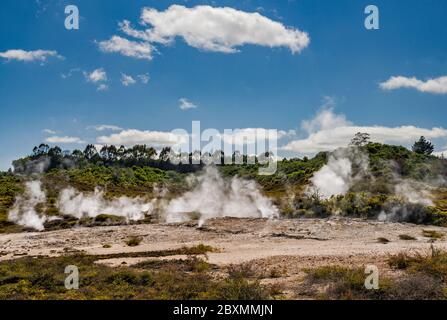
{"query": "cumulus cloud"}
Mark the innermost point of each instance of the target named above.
(127, 80)
(27, 56)
(132, 137)
(97, 75)
(217, 29)
(325, 120)
(185, 104)
(138, 50)
(64, 140)
(437, 85)
(328, 131)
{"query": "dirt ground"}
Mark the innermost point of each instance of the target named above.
(280, 248)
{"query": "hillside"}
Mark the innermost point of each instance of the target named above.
(382, 179)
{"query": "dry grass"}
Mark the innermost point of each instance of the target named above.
(43, 278)
(406, 237)
(432, 234)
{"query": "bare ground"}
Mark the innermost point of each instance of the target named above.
(277, 249)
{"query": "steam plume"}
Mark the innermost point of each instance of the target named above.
(337, 176)
(24, 210)
(79, 205)
(214, 197)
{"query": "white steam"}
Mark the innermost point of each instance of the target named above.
(347, 166)
(336, 177)
(24, 210)
(214, 197)
(80, 205)
(211, 197)
(414, 192)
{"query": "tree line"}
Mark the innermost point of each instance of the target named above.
(44, 158)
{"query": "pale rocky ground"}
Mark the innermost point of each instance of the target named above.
(282, 247)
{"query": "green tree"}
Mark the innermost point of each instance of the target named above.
(423, 146)
(90, 152)
(165, 153)
(360, 139)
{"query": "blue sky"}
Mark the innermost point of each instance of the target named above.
(333, 82)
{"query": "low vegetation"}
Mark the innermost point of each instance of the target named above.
(133, 241)
(433, 234)
(383, 240)
(43, 278)
(422, 276)
(406, 237)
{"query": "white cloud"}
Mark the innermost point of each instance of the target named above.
(330, 131)
(325, 120)
(441, 154)
(127, 80)
(132, 137)
(27, 56)
(219, 29)
(70, 73)
(437, 85)
(185, 104)
(105, 127)
(64, 140)
(102, 87)
(97, 75)
(138, 50)
(247, 136)
(48, 131)
(144, 78)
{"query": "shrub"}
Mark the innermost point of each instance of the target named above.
(406, 237)
(433, 234)
(133, 241)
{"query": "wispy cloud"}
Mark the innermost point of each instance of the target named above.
(144, 78)
(105, 127)
(28, 56)
(127, 80)
(64, 140)
(48, 131)
(437, 85)
(102, 87)
(70, 73)
(116, 44)
(185, 104)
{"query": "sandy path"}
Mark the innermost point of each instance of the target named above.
(239, 240)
